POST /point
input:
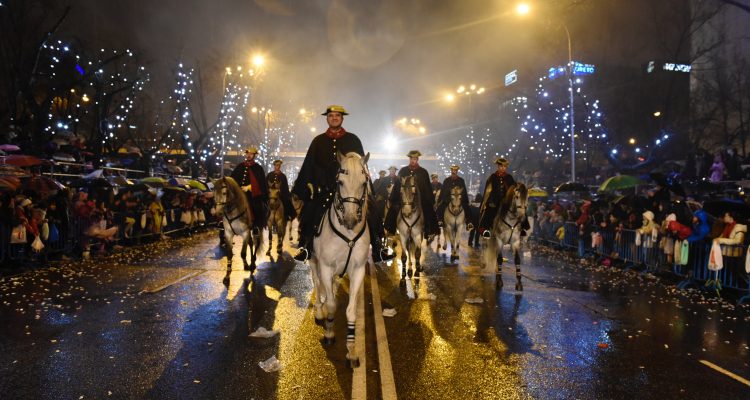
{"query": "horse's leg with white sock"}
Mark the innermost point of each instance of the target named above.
(356, 277)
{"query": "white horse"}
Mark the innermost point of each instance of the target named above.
(297, 204)
(342, 247)
(454, 219)
(506, 229)
(410, 226)
(276, 218)
(232, 205)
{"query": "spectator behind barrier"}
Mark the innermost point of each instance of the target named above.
(700, 227)
(733, 236)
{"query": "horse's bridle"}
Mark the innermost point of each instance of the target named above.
(338, 209)
(460, 208)
(338, 201)
(224, 208)
(514, 213)
(413, 189)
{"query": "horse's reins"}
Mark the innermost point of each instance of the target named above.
(226, 215)
(338, 208)
(514, 226)
(410, 226)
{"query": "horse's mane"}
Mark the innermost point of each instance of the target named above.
(508, 198)
(233, 188)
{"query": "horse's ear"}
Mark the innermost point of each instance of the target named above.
(367, 157)
(339, 156)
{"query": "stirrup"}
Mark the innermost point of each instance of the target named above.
(486, 234)
(302, 255)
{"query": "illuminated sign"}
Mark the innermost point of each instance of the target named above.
(511, 77)
(670, 67)
(578, 69)
(676, 67)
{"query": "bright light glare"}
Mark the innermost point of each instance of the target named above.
(258, 60)
(523, 9)
(449, 98)
(631, 141)
(390, 143)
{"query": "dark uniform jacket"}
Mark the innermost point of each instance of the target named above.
(321, 163)
(258, 198)
(279, 178)
(445, 197)
(494, 191)
(422, 180)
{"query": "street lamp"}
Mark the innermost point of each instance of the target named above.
(524, 9)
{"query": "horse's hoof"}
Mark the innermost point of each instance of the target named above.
(354, 363)
(225, 281)
(328, 341)
(519, 287)
(410, 273)
(499, 284)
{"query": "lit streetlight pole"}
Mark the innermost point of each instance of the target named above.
(523, 9)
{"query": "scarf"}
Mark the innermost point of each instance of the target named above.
(335, 135)
(728, 230)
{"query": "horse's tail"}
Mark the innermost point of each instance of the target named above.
(490, 254)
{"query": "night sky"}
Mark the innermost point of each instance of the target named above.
(383, 59)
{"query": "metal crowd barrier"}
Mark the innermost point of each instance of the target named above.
(620, 246)
(76, 241)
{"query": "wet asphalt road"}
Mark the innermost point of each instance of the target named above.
(157, 322)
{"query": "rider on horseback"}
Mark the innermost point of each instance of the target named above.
(494, 192)
(278, 177)
(422, 180)
(252, 179)
(436, 186)
(445, 196)
(316, 183)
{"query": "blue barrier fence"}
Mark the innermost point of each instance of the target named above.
(76, 240)
(655, 254)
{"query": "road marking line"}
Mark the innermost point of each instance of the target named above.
(387, 383)
(183, 278)
(725, 372)
(359, 380)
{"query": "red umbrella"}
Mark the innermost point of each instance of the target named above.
(10, 183)
(21, 160)
(9, 147)
(43, 185)
(12, 170)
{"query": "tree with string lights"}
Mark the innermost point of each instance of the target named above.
(471, 153)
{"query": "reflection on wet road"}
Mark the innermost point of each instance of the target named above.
(157, 322)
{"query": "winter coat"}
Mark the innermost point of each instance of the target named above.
(647, 229)
(681, 231)
(733, 243)
(701, 229)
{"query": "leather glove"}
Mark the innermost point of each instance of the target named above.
(469, 226)
(311, 189)
(247, 188)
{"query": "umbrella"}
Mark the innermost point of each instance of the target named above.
(11, 170)
(43, 185)
(63, 157)
(175, 188)
(178, 181)
(620, 182)
(201, 186)
(9, 147)
(9, 183)
(21, 160)
(154, 181)
(571, 187)
(120, 180)
(717, 208)
(533, 192)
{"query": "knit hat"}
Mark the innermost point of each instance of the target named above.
(648, 215)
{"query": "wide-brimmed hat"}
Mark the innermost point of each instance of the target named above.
(414, 153)
(434, 176)
(381, 172)
(251, 149)
(335, 108)
(502, 161)
(456, 167)
(277, 162)
(392, 168)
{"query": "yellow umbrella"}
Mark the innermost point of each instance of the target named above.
(537, 192)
